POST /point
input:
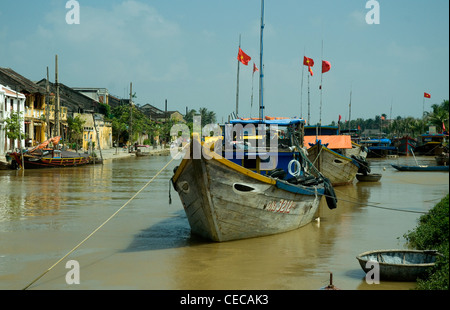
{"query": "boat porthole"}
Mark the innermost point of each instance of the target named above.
(242, 188)
(338, 161)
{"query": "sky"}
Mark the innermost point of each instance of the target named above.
(185, 52)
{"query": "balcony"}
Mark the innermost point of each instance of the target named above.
(39, 114)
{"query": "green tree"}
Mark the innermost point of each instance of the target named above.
(439, 115)
(75, 130)
(13, 127)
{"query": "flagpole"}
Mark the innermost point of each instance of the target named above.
(309, 104)
(301, 87)
(237, 86)
(261, 67)
(321, 87)
(350, 108)
(251, 102)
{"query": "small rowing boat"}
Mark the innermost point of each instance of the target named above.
(398, 265)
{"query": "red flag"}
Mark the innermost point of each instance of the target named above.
(308, 61)
(255, 68)
(339, 118)
(310, 71)
(426, 95)
(443, 126)
(326, 66)
(243, 57)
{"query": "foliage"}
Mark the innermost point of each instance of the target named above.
(75, 131)
(207, 117)
(13, 126)
(432, 232)
(400, 126)
(140, 124)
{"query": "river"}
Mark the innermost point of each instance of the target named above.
(45, 213)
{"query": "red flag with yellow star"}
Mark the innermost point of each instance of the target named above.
(243, 57)
(308, 61)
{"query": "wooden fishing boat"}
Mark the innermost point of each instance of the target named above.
(143, 150)
(420, 168)
(432, 144)
(254, 180)
(226, 201)
(405, 145)
(379, 148)
(336, 156)
(339, 169)
(398, 265)
(371, 177)
(43, 157)
(442, 159)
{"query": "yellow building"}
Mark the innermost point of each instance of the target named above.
(102, 128)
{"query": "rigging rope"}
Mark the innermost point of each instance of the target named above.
(105, 222)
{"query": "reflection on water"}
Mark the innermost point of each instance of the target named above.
(148, 245)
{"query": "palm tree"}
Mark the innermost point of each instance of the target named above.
(439, 116)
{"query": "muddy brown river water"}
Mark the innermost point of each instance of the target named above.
(147, 246)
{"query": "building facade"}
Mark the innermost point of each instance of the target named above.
(10, 101)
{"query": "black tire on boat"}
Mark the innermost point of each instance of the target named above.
(277, 173)
(330, 195)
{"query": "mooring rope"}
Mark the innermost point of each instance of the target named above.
(105, 222)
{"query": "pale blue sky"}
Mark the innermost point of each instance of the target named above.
(185, 51)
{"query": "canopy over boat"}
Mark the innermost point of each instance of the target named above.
(332, 142)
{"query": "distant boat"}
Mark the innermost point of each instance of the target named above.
(379, 148)
(335, 156)
(420, 168)
(43, 157)
(442, 160)
(432, 144)
(399, 265)
(143, 150)
(405, 145)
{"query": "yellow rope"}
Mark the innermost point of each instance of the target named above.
(104, 223)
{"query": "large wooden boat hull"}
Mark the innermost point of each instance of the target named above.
(224, 201)
(398, 265)
(339, 169)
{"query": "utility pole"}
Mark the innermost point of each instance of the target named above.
(57, 129)
(131, 116)
(47, 107)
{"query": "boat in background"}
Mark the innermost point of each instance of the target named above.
(371, 177)
(399, 265)
(42, 156)
(405, 145)
(443, 159)
(143, 150)
(379, 148)
(420, 168)
(432, 144)
(335, 156)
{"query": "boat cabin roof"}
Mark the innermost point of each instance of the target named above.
(332, 142)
